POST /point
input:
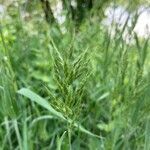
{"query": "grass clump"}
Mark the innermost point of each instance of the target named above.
(91, 90)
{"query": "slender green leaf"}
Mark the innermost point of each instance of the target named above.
(39, 100)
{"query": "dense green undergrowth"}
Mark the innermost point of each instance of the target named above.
(76, 90)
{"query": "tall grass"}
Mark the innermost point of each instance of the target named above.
(91, 91)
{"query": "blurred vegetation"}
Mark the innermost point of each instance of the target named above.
(71, 85)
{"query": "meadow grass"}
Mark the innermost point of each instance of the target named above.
(78, 90)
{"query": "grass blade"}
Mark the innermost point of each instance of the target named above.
(39, 100)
